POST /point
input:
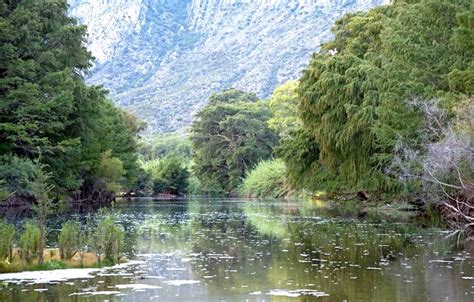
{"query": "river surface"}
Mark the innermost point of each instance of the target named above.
(261, 251)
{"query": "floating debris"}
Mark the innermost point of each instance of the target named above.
(136, 286)
(105, 293)
(297, 292)
(181, 282)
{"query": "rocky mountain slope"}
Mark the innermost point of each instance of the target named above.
(162, 59)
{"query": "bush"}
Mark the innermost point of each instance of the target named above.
(7, 237)
(169, 174)
(268, 179)
(69, 239)
(29, 241)
(111, 171)
(107, 239)
(194, 185)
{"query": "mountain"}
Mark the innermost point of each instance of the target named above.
(162, 59)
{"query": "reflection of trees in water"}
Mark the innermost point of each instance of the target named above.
(244, 247)
(279, 249)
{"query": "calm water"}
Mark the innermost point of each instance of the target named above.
(202, 250)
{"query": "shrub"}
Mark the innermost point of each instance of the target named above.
(69, 239)
(7, 237)
(111, 171)
(194, 185)
(29, 241)
(107, 239)
(268, 179)
(170, 174)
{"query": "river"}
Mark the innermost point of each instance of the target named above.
(260, 251)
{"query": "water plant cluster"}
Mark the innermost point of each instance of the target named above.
(98, 242)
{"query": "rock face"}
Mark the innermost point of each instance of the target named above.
(162, 59)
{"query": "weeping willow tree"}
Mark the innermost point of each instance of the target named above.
(353, 98)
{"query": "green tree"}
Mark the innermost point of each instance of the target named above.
(230, 136)
(354, 96)
(110, 172)
(171, 176)
(46, 106)
(284, 107)
(7, 240)
(69, 239)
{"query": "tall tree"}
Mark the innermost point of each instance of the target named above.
(354, 96)
(229, 137)
(46, 106)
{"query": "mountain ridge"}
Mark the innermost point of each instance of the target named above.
(162, 59)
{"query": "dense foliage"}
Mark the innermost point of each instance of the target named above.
(168, 174)
(267, 180)
(230, 136)
(354, 98)
(158, 146)
(48, 112)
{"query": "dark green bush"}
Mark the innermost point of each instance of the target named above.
(15, 175)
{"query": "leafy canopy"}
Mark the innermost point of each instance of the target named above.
(230, 136)
(353, 97)
(46, 108)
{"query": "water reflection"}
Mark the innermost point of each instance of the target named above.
(201, 250)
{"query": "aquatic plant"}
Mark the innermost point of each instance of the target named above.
(29, 241)
(69, 239)
(107, 239)
(7, 238)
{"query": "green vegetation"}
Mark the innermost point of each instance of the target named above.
(170, 176)
(229, 137)
(7, 238)
(107, 239)
(267, 180)
(353, 99)
(99, 244)
(29, 242)
(69, 239)
(284, 107)
(48, 110)
(158, 146)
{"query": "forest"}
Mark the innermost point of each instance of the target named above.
(384, 112)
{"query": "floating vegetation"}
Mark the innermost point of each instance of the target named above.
(242, 250)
